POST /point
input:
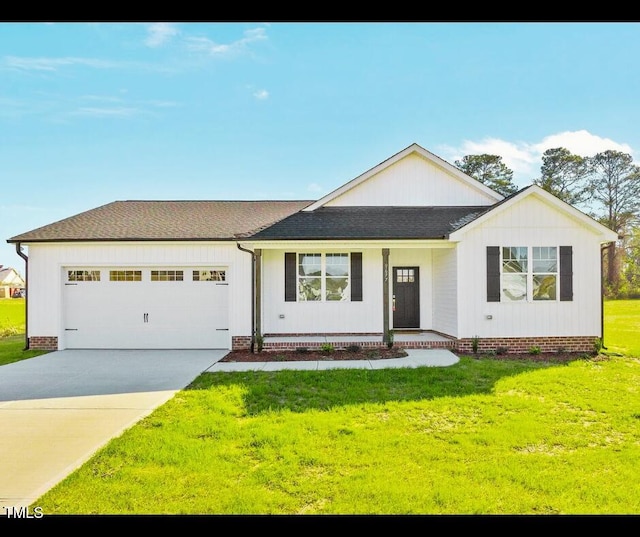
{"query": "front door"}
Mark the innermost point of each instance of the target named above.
(406, 297)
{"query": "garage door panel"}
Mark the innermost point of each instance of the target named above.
(146, 314)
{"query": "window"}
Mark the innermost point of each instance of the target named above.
(405, 275)
(545, 272)
(166, 275)
(323, 277)
(209, 275)
(125, 275)
(514, 273)
(529, 273)
(83, 275)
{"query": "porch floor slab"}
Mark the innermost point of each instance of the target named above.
(398, 337)
(409, 339)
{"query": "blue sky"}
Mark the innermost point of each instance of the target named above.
(96, 112)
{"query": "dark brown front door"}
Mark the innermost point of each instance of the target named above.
(406, 297)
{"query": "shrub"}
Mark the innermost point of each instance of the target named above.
(389, 339)
(327, 348)
(353, 348)
(475, 341)
(302, 350)
(502, 350)
(535, 350)
(597, 345)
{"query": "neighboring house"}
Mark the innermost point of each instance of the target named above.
(10, 282)
(412, 246)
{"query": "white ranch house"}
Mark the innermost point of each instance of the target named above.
(413, 247)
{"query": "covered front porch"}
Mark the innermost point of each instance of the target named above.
(406, 339)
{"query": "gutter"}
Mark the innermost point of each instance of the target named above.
(26, 300)
(253, 294)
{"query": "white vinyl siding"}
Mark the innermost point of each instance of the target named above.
(445, 285)
(412, 181)
(530, 223)
(332, 316)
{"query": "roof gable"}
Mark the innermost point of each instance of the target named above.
(551, 201)
(9, 276)
(412, 177)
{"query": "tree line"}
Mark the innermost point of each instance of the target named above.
(605, 186)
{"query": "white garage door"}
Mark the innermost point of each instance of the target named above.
(146, 308)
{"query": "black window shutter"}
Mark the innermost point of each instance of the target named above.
(290, 277)
(566, 273)
(356, 276)
(493, 274)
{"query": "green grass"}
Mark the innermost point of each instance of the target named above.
(480, 437)
(622, 326)
(489, 436)
(12, 350)
(12, 316)
(12, 327)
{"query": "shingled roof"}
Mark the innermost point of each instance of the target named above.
(372, 223)
(165, 220)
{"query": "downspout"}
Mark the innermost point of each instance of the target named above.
(26, 300)
(253, 294)
(603, 249)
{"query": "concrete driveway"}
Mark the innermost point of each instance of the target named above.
(58, 409)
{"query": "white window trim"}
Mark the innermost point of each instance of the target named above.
(323, 277)
(530, 274)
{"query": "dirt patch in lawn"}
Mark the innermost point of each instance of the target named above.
(382, 353)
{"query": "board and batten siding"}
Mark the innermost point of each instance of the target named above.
(47, 263)
(529, 223)
(282, 317)
(412, 181)
(445, 289)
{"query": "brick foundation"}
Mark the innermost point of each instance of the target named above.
(43, 343)
(498, 346)
(523, 345)
(241, 343)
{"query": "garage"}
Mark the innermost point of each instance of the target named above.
(146, 307)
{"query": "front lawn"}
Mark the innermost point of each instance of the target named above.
(489, 436)
(622, 326)
(12, 316)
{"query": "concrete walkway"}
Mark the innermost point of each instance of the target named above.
(415, 358)
(58, 409)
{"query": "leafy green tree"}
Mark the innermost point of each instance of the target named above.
(614, 188)
(630, 277)
(564, 175)
(490, 171)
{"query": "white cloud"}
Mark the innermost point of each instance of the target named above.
(204, 44)
(159, 33)
(261, 94)
(525, 159)
(107, 112)
(581, 143)
(52, 64)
